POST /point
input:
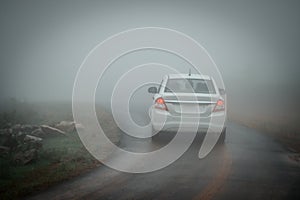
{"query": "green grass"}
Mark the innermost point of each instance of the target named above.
(61, 158)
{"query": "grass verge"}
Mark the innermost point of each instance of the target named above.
(284, 129)
(60, 159)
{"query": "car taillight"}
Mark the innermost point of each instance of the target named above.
(220, 106)
(160, 104)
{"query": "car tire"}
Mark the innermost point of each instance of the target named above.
(222, 136)
(156, 136)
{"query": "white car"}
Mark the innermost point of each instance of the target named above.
(186, 100)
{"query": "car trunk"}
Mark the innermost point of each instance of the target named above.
(190, 104)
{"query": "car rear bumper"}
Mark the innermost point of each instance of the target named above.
(164, 121)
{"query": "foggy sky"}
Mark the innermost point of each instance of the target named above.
(255, 44)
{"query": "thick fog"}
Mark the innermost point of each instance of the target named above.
(255, 45)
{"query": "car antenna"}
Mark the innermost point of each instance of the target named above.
(189, 72)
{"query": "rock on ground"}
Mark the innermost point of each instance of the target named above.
(66, 126)
(24, 158)
(50, 130)
(38, 133)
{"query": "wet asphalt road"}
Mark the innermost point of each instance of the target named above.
(250, 165)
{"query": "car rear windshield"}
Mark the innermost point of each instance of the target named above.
(181, 85)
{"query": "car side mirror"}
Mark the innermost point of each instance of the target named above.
(221, 91)
(152, 90)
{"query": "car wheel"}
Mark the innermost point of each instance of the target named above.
(156, 136)
(222, 137)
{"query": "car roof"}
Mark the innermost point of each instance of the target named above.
(187, 76)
